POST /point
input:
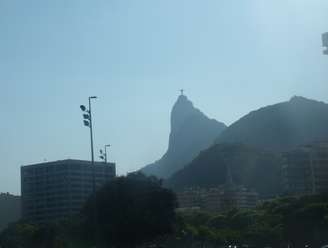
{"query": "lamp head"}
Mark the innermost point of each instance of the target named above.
(86, 123)
(86, 116)
(83, 108)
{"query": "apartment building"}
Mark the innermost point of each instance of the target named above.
(55, 190)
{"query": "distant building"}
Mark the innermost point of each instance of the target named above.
(10, 209)
(191, 198)
(54, 190)
(238, 197)
(217, 199)
(305, 170)
(212, 199)
(220, 198)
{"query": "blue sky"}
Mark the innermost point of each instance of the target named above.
(231, 57)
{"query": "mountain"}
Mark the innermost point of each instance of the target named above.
(280, 127)
(10, 209)
(249, 166)
(191, 132)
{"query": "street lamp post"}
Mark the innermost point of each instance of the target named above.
(87, 120)
(325, 43)
(103, 155)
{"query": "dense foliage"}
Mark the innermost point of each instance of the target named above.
(131, 210)
(283, 222)
(61, 234)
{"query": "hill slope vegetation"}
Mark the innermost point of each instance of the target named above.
(254, 168)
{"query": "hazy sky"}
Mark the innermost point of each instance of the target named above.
(231, 57)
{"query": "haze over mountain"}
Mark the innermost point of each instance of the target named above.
(252, 146)
(251, 167)
(191, 132)
(280, 127)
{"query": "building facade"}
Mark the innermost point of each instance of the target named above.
(238, 197)
(55, 190)
(218, 199)
(191, 198)
(305, 170)
(10, 209)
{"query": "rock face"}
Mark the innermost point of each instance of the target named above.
(191, 132)
(280, 127)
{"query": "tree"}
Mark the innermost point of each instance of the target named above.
(19, 235)
(131, 210)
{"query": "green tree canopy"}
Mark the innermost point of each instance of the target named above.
(131, 210)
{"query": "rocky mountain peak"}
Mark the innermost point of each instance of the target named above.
(191, 132)
(182, 110)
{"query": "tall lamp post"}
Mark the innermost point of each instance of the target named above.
(87, 121)
(103, 155)
(325, 43)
